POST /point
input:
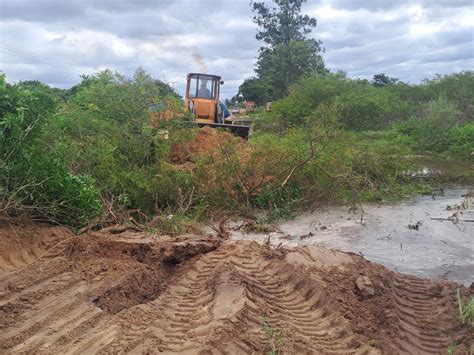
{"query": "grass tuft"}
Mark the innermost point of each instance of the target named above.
(466, 310)
(274, 335)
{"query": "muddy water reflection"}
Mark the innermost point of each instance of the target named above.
(434, 249)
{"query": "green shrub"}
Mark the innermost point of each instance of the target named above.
(306, 96)
(62, 151)
(52, 193)
(370, 108)
(461, 141)
(325, 163)
(440, 130)
(457, 88)
(110, 130)
(34, 182)
(361, 105)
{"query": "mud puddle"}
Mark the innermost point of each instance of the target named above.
(453, 170)
(414, 237)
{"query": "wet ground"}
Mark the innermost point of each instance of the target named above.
(447, 170)
(414, 237)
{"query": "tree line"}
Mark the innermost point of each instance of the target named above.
(96, 151)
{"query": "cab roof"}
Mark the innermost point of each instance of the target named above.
(215, 76)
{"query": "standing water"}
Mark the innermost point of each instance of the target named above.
(430, 236)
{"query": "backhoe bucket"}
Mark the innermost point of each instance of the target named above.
(240, 131)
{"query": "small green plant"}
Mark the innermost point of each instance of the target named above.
(466, 310)
(451, 349)
(274, 335)
(375, 342)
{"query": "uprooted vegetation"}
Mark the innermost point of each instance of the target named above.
(98, 150)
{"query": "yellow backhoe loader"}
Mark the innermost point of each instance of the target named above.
(202, 99)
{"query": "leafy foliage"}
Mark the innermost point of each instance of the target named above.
(106, 131)
(282, 24)
(283, 65)
(439, 129)
(383, 80)
(32, 180)
(361, 105)
(111, 143)
(433, 121)
(287, 55)
(255, 89)
(456, 88)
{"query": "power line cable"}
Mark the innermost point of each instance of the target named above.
(42, 57)
(36, 60)
(19, 53)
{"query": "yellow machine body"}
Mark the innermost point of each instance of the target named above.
(202, 99)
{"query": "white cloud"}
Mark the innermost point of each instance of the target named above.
(55, 40)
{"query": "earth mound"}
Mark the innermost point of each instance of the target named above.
(137, 292)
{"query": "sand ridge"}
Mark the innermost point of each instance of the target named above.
(138, 293)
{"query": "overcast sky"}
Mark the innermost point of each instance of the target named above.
(55, 41)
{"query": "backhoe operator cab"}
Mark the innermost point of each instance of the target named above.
(202, 97)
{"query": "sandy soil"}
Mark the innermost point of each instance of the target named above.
(140, 293)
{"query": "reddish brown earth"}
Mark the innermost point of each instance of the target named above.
(139, 293)
(207, 140)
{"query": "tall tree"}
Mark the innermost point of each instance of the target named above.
(255, 89)
(383, 80)
(288, 53)
(282, 24)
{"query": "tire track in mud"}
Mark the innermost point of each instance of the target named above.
(300, 305)
(24, 248)
(417, 303)
(214, 299)
(52, 322)
(403, 314)
(51, 307)
(177, 320)
(47, 316)
(34, 286)
(46, 307)
(226, 295)
(14, 259)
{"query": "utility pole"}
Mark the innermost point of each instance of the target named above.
(169, 83)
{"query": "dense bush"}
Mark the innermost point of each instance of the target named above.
(112, 143)
(321, 162)
(362, 106)
(31, 179)
(439, 128)
(306, 96)
(436, 115)
(107, 130)
(457, 88)
(370, 108)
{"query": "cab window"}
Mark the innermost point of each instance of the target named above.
(203, 86)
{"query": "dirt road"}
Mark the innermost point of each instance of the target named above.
(139, 293)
